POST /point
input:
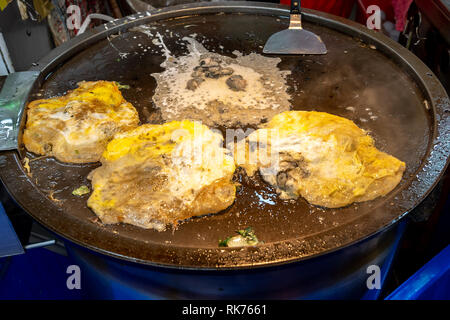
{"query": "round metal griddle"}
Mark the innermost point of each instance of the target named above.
(364, 75)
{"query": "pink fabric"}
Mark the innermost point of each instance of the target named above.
(401, 8)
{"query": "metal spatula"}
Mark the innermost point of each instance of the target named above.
(295, 40)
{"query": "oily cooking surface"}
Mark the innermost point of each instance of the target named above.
(350, 81)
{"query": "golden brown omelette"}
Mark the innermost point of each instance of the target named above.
(156, 175)
(324, 158)
(76, 127)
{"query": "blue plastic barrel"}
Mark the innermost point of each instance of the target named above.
(431, 282)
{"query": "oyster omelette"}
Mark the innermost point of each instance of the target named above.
(324, 158)
(153, 175)
(77, 126)
(156, 175)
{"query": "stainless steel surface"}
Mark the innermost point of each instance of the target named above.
(13, 97)
(295, 22)
(295, 40)
(40, 244)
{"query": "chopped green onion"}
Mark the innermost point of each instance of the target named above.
(224, 243)
(244, 238)
(122, 86)
(81, 191)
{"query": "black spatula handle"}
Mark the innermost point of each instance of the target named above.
(296, 7)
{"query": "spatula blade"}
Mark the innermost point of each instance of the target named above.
(295, 41)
